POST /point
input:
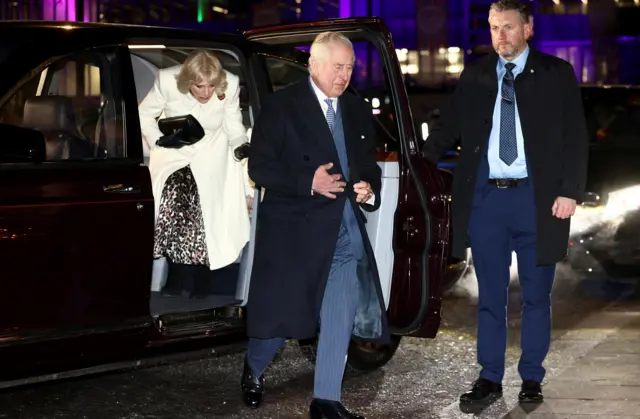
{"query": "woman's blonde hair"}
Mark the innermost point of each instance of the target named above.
(202, 66)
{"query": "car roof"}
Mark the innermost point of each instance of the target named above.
(11, 31)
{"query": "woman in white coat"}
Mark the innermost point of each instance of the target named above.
(201, 191)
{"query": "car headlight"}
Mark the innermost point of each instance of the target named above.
(622, 201)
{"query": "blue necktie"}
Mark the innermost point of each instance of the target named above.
(508, 143)
(338, 138)
(331, 114)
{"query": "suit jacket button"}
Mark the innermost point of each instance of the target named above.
(305, 158)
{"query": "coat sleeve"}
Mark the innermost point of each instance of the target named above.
(267, 168)
(232, 122)
(370, 171)
(149, 110)
(575, 140)
(445, 133)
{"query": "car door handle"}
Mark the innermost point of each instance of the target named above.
(121, 188)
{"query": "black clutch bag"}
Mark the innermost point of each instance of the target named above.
(179, 131)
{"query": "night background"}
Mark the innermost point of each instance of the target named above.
(434, 38)
(594, 365)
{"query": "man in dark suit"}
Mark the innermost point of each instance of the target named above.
(518, 114)
(313, 150)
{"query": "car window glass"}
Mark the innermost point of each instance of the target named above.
(368, 81)
(73, 103)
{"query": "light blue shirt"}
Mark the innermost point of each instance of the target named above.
(497, 168)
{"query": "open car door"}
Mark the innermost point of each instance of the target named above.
(410, 232)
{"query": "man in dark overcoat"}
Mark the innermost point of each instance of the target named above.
(313, 151)
(519, 117)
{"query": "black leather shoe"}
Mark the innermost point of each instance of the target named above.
(252, 387)
(329, 409)
(531, 392)
(483, 391)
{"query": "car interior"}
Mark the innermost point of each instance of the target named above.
(229, 285)
(68, 102)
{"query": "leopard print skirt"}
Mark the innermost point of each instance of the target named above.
(179, 234)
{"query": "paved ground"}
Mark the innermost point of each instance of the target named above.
(593, 372)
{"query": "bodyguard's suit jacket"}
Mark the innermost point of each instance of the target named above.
(297, 232)
(555, 142)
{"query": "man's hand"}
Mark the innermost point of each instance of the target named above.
(326, 184)
(363, 191)
(249, 203)
(563, 207)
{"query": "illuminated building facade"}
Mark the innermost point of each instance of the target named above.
(434, 38)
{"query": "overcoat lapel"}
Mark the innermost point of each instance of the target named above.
(311, 120)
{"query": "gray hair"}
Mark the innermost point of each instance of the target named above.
(320, 45)
(520, 6)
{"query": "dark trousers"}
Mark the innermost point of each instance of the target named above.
(503, 221)
(339, 306)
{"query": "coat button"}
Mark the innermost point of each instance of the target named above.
(305, 158)
(486, 121)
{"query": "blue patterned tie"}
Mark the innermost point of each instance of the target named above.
(508, 144)
(331, 114)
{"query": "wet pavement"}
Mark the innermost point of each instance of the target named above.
(590, 360)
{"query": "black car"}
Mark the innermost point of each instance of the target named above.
(77, 289)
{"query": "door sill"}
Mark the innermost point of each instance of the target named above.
(201, 321)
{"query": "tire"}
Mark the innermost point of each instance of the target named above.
(455, 270)
(362, 356)
(369, 357)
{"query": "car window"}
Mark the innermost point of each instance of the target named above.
(74, 103)
(368, 83)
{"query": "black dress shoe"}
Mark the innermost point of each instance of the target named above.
(483, 391)
(329, 409)
(252, 387)
(531, 392)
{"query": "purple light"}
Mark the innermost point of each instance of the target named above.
(628, 38)
(59, 10)
(345, 8)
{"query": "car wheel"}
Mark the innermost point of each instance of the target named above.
(455, 270)
(362, 356)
